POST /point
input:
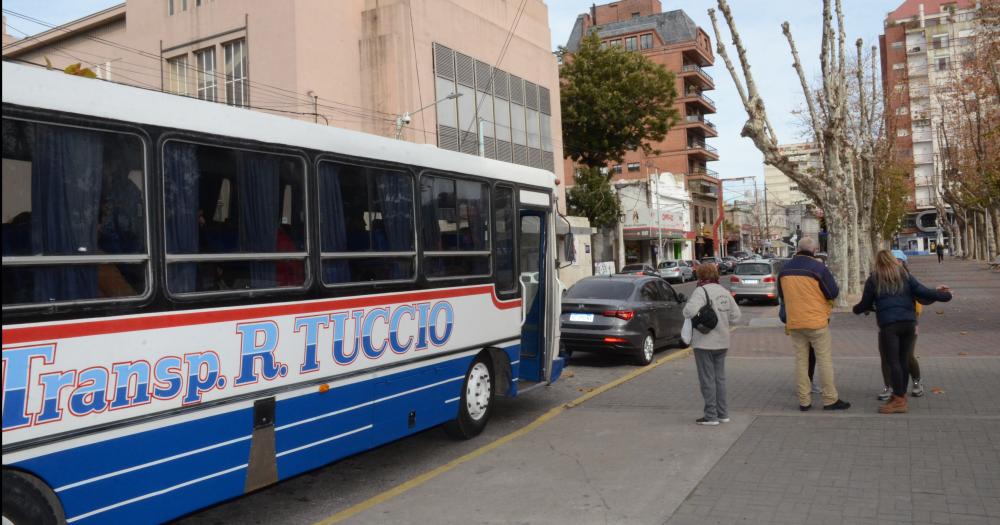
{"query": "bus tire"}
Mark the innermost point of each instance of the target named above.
(27, 500)
(476, 403)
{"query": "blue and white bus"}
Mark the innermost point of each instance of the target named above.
(201, 300)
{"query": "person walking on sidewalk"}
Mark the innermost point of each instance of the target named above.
(710, 348)
(940, 252)
(892, 292)
(806, 289)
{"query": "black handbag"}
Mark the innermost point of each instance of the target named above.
(705, 320)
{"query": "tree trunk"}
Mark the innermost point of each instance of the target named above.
(995, 219)
(837, 250)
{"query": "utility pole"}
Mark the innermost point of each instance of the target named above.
(767, 217)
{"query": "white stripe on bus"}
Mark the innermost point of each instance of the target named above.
(366, 403)
(452, 400)
(156, 493)
(150, 464)
(320, 442)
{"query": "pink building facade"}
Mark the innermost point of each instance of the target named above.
(355, 64)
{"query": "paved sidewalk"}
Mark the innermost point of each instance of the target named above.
(634, 455)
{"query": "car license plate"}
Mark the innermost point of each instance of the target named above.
(581, 318)
(751, 281)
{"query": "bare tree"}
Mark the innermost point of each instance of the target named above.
(834, 188)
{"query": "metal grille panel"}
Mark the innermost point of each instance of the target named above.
(489, 144)
(516, 90)
(503, 150)
(465, 72)
(469, 143)
(448, 138)
(544, 104)
(444, 62)
(548, 161)
(530, 95)
(534, 157)
(520, 154)
(500, 83)
(483, 73)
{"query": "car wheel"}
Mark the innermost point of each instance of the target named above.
(26, 500)
(645, 355)
(476, 403)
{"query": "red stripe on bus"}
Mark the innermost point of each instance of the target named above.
(15, 335)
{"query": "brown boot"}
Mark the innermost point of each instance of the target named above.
(896, 405)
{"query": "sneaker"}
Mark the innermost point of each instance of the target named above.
(708, 422)
(886, 393)
(816, 389)
(918, 389)
(805, 408)
(723, 420)
(838, 405)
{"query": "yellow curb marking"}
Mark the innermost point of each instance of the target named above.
(541, 420)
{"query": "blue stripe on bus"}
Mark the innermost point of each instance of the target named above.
(167, 472)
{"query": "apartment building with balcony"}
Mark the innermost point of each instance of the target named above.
(923, 45)
(672, 40)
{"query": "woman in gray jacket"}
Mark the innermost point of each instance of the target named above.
(710, 349)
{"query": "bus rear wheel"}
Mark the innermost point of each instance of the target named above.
(26, 500)
(476, 402)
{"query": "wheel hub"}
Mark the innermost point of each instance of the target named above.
(477, 391)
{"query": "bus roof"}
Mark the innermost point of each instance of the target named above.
(33, 86)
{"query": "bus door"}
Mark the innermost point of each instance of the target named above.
(532, 278)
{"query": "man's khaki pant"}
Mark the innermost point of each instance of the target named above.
(821, 344)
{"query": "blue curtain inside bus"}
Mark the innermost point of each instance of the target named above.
(333, 229)
(66, 174)
(395, 195)
(180, 198)
(260, 203)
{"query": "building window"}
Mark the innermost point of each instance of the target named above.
(616, 42)
(898, 65)
(633, 166)
(206, 74)
(237, 92)
(942, 63)
(636, 14)
(940, 42)
(455, 226)
(897, 45)
(170, 7)
(177, 71)
(646, 41)
(630, 43)
(902, 133)
(617, 168)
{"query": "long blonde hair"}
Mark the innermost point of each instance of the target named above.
(888, 273)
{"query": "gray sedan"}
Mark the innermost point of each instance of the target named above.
(675, 272)
(625, 314)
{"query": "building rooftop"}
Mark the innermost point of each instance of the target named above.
(911, 8)
(672, 27)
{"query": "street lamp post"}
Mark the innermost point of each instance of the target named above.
(722, 210)
(405, 118)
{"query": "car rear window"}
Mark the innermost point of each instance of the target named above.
(600, 289)
(753, 269)
(668, 264)
(632, 268)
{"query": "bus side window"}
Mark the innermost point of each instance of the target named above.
(366, 224)
(503, 239)
(227, 204)
(79, 195)
(456, 227)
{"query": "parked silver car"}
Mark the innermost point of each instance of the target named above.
(755, 280)
(675, 271)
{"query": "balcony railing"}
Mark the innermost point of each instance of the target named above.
(701, 95)
(702, 145)
(695, 68)
(703, 172)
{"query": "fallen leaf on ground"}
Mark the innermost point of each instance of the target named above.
(963, 353)
(939, 312)
(937, 390)
(963, 332)
(569, 374)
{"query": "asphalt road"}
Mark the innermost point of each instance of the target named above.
(315, 495)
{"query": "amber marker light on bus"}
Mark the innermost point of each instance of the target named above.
(324, 388)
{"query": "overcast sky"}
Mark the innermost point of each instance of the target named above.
(759, 23)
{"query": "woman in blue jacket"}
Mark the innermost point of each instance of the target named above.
(891, 291)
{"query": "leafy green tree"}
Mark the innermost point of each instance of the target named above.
(591, 197)
(613, 101)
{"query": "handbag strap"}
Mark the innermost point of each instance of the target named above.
(707, 298)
